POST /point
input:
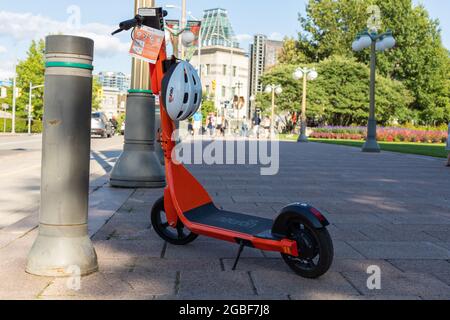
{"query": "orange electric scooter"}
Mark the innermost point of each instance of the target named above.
(186, 211)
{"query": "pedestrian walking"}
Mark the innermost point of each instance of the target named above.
(211, 124)
(244, 127)
(191, 128)
(226, 125)
(198, 124)
(256, 125)
(220, 126)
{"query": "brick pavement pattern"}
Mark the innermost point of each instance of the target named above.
(390, 210)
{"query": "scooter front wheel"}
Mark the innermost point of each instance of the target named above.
(315, 250)
(179, 236)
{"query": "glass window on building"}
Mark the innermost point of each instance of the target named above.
(208, 90)
(234, 71)
(224, 70)
(208, 69)
(224, 91)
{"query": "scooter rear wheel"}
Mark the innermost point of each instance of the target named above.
(315, 247)
(179, 236)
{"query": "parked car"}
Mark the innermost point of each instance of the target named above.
(101, 126)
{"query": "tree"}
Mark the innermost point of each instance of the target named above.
(419, 60)
(32, 70)
(207, 108)
(288, 102)
(291, 53)
(340, 94)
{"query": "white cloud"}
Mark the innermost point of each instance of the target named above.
(2, 50)
(6, 69)
(26, 26)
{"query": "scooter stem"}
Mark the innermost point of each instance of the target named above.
(183, 192)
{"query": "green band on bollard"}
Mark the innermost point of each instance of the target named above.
(140, 91)
(57, 64)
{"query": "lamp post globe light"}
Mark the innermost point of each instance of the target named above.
(187, 38)
(273, 89)
(376, 42)
(307, 75)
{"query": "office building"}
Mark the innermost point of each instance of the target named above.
(224, 70)
(117, 80)
(264, 54)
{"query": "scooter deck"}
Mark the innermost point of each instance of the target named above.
(210, 215)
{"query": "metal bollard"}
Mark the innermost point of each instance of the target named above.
(63, 245)
(139, 165)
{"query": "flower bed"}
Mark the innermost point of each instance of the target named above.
(383, 134)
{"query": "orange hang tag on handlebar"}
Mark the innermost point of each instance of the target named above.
(146, 44)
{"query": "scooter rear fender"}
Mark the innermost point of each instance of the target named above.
(298, 211)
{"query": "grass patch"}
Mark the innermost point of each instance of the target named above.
(288, 137)
(436, 150)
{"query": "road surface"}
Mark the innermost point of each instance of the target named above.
(20, 172)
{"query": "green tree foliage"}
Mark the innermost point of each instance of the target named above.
(340, 96)
(31, 70)
(207, 108)
(419, 60)
(288, 101)
(291, 53)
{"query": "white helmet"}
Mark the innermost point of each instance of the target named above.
(181, 91)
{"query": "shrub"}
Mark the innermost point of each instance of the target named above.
(22, 126)
(388, 134)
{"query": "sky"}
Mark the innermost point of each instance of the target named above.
(24, 20)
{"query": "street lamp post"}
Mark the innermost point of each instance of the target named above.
(30, 117)
(14, 100)
(274, 89)
(139, 146)
(376, 42)
(183, 24)
(140, 71)
(5, 107)
(182, 30)
(305, 74)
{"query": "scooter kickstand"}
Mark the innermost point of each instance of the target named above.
(241, 248)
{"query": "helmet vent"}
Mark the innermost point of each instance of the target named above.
(186, 98)
(196, 98)
(195, 82)
(180, 114)
(186, 77)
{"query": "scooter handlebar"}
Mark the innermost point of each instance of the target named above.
(128, 24)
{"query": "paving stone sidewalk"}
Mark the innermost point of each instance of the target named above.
(389, 210)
